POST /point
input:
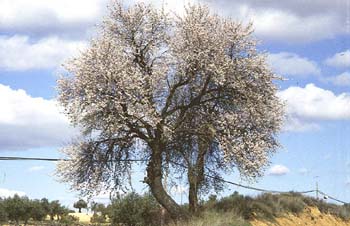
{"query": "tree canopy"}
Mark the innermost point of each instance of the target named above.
(80, 204)
(187, 90)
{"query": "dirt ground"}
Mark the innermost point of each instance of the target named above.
(311, 216)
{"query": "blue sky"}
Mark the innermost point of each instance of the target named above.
(307, 42)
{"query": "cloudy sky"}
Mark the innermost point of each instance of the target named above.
(307, 41)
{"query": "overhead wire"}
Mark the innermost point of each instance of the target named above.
(8, 158)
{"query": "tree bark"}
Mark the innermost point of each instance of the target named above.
(154, 180)
(195, 176)
(193, 192)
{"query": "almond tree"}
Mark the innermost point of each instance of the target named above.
(150, 81)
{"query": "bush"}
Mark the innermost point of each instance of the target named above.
(98, 218)
(69, 220)
(292, 204)
(134, 209)
(213, 218)
(265, 206)
(260, 210)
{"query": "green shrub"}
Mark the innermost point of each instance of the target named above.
(261, 210)
(98, 218)
(69, 220)
(134, 209)
(291, 204)
(344, 212)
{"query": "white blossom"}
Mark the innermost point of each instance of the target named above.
(146, 70)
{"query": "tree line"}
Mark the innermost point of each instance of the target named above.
(18, 209)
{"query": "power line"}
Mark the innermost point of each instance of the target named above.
(30, 159)
(332, 198)
(241, 185)
(8, 158)
(58, 159)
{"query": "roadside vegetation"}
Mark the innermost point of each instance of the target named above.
(233, 210)
(239, 210)
(18, 210)
(143, 210)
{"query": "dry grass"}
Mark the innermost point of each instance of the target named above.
(83, 217)
(214, 219)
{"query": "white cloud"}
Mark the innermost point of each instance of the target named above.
(307, 107)
(282, 20)
(63, 17)
(278, 170)
(169, 5)
(5, 193)
(297, 21)
(285, 26)
(340, 60)
(299, 7)
(19, 53)
(342, 79)
(291, 64)
(316, 103)
(42, 17)
(36, 168)
(28, 122)
(294, 124)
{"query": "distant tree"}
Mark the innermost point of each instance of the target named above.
(62, 211)
(80, 205)
(45, 204)
(54, 209)
(39, 210)
(18, 209)
(3, 213)
(187, 90)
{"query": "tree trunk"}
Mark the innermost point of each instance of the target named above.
(195, 174)
(154, 180)
(79, 210)
(193, 192)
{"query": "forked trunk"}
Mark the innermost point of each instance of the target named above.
(154, 180)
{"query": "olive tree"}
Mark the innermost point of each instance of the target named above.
(168, 89)
(3, 213)
(80, 204)
(18, 208)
